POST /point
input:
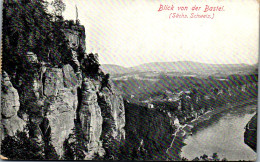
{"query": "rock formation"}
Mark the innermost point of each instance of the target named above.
(55, 104)
(250, 135)
(50, 106)
(113, 113)
(10, 105)
(90, 118)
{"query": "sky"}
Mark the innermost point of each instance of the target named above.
(130, 33)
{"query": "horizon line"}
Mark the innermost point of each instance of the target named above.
(183, 61)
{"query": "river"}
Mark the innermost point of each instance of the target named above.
(223, 134)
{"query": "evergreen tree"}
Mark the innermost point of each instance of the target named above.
(27, 27)
(58, 8)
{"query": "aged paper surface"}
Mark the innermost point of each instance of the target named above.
(129, 80)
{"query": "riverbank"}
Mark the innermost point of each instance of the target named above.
(192, 125)
(187, 129)
(222, 133)
(218, 110)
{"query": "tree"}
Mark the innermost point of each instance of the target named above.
(20, 147)
(26, 26)
(58, 7)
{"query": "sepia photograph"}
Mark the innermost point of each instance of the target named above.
(137, 80)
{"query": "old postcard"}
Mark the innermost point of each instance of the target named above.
(129, 80)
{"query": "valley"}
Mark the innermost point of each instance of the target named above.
(157, 100)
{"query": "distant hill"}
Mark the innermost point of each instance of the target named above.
(189, 66)
(180, 66)
(114, 69)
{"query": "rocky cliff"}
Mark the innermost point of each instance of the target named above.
(10, 106)
(68, 110)
(51, 105)
(250, 135)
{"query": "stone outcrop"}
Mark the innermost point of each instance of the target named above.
(91, 119)
(61, 104)
(70, 78)
(52, 101)
(250, 135)
(61, 98)
(148, 134)
(113, 113)
(10, 105)
(113, 109)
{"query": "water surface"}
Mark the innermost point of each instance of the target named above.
(222, 134)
